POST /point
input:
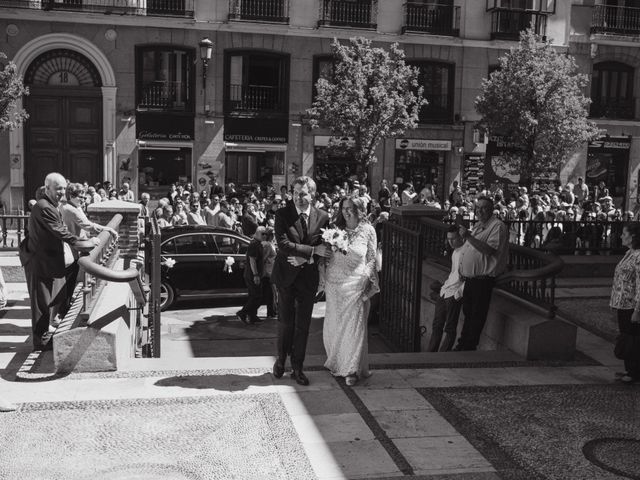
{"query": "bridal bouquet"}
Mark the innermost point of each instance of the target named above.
(336, 238)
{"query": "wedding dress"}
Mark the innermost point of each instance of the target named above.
(350, 281)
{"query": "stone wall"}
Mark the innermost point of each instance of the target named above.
(129, 231)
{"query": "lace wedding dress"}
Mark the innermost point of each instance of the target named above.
(350, 281)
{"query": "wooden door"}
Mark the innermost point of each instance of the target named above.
(63, 134)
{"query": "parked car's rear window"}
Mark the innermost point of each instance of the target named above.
(196, 244)
(230, 245)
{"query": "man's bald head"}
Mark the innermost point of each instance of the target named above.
(55, 187)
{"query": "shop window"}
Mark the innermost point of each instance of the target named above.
(245, 169)
(323, 67)
(256, 82)
(335, 165)
(612, 91)
(159, 168)
(164, 79)
(422, 168)
(437, 79)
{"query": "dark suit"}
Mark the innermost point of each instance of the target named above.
(297, 286)
(42, 255)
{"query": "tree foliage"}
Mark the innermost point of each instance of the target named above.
(535, 99)
(373, 94)
(11, 90)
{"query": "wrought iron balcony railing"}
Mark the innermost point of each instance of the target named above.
(349, 13)
(430, 18)
(439, 109)
(254, 98)
(614, 107)
(164, 96)
(615, 20)
(168, 8)
(507, 24)
(259, 10)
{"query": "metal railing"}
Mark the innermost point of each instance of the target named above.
(615, 19)
(531, 273)
(254, 97)
(259, 10)
(507, 24)
(349, 13)
(170, 8)
(13, 230)
(164, 95)
(613, 107)
(431, 18)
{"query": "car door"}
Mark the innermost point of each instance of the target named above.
(230, 263)
(194, 256)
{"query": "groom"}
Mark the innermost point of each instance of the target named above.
(295, 273)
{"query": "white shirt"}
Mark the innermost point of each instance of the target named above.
(453, 285)
(475, 263)
(306, 212)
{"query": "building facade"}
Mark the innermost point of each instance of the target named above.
(123, 91)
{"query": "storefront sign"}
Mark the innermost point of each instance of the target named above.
(325, 140)
(611, 143)
(164, 127)
(258, 130)
(420, 144)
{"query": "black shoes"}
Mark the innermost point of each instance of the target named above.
(300, 378)
(278, 369)
(242, 317)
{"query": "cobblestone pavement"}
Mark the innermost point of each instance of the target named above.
(419, 416)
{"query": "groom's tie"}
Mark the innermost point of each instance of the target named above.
(305, 228)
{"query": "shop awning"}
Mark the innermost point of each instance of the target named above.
(163, 145)
(254, 147)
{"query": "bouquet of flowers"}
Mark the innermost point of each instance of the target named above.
(228, 263)
(336, 238)
(168, 262)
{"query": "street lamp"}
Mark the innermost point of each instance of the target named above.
(206, 48)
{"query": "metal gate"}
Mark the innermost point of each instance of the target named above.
(401, 288)
(153, 266)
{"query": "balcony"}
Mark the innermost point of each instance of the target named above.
(276, 11)
(254, 98)
(615, 20)
(507, 24)
(613, 108)
(439, 109)
(160, 8)
(348, 13)
(432, 19)
(163, 96)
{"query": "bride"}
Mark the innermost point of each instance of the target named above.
(350, 281)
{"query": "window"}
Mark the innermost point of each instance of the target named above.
(198, 244)
(229, 245)
(437, 79)
(168, 248)
(612, 90)
(544, 6)
(164, 79)
(323, 67)
(256, 82)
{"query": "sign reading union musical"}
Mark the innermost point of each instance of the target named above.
(420, 144)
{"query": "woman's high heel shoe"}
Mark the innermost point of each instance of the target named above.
(351, 380)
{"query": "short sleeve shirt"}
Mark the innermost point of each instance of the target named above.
(474, 263)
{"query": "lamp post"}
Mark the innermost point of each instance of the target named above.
(206, 49)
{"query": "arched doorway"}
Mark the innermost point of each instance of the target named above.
(64, 130)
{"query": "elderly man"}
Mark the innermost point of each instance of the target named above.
(483, 257)
(126, 193)
(45, 254)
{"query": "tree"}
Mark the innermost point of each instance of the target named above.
(11, 90)
(535, 100)
(373, 95)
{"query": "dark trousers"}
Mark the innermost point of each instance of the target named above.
(476, 299)
(255, 298)
(445, 319)
(48, 298)
(631, 365)
(295, 306)
(268, 297)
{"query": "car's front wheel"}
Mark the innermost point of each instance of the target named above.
(167, 296)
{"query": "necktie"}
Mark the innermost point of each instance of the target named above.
(305, 227)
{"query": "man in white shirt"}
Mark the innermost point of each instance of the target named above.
(449, 301)
(484, 256)
(126, 193)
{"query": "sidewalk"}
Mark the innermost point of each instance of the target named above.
(453, 416)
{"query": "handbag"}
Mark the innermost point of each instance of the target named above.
(627, 347)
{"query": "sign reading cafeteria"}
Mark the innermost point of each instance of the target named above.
(421, 144)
